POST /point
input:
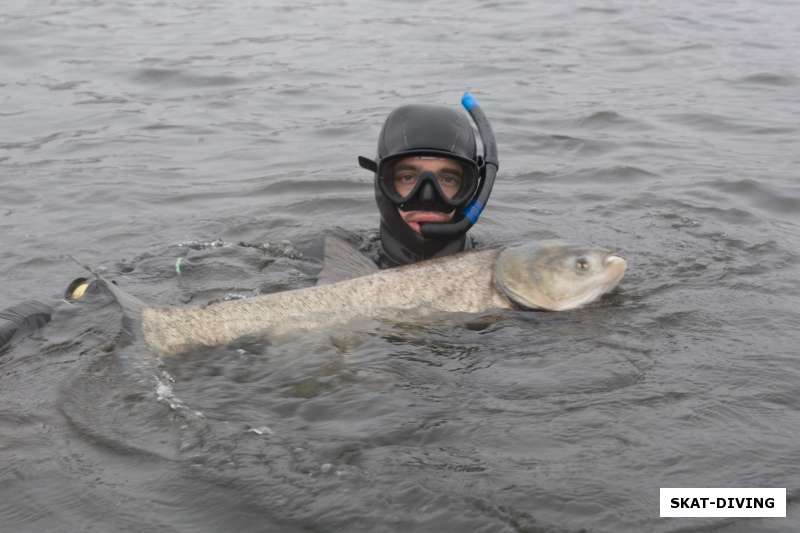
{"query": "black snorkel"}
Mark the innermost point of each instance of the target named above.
(488, 170)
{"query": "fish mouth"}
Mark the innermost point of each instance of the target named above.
(415, 218)
(615, 268)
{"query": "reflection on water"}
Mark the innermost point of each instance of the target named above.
(224, 135)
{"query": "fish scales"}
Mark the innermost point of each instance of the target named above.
(453, 284)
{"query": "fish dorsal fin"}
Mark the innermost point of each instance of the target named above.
(342, 261)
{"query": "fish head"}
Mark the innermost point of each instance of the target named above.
(557, 276)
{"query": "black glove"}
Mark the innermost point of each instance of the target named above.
(22, 319)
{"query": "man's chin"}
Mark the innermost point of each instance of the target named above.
(415, 218)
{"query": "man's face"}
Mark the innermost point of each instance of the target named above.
(449, 176)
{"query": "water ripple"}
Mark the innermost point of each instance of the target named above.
(668, 133)
(770, 79)
(175, 78)
(760, 193)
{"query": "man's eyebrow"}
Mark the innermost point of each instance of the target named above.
(455, 169)
(406, 166)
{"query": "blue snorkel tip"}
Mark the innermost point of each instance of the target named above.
(469, 102)
(473, 211)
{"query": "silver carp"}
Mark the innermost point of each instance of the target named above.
(550, 275)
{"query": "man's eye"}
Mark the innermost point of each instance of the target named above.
(406, 177)
(451, 179)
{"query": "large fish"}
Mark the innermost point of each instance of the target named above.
(549, 275)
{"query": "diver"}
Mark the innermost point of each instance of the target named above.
(430, 182)
(431, 186)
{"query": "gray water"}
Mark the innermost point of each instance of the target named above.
(136, 133)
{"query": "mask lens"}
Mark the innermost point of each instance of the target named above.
(403, 179)
(450, 182)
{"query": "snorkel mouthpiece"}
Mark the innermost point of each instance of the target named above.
(489, 170)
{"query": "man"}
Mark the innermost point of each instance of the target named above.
(430, 186)
(428, 173)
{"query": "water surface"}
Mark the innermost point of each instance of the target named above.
(137, 133)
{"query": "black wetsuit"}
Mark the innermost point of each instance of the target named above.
(371, 245)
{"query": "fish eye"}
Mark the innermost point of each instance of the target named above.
(582, 264)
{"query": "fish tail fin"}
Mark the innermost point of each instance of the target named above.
(131, 306)
(144, 366)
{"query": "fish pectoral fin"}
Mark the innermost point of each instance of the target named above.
(341, 261)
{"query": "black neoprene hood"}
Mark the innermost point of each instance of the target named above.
(413, 129)
(419, 130)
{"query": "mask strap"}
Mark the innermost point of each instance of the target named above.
(367, 164)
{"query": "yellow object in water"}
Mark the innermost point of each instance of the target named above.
(78, 292)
